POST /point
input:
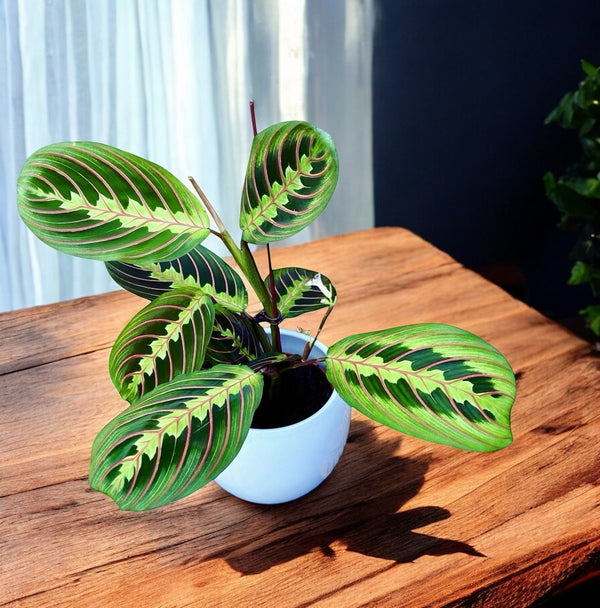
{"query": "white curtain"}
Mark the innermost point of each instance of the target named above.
(171, 80)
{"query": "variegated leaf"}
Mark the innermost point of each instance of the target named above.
(299, 291)
(291, 175)
(199, 268)
(269, 360)
(95, 201)
(166, 338)
(233, 339)
(176, 438)
(432, 381)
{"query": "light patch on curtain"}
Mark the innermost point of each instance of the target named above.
(292, 59)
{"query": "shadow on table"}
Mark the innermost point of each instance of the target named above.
(377, 483)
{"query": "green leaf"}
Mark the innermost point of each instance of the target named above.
(583, 273)
(291, 175)
(580, 109)
(199, 268)
(572, 204)
(166, 338)
(299, 291)
(585, 186)
(432, 381)
(176, 438)
(589, 68)
(234, 339)
(563, 113)
(95, 201)
(592, 317)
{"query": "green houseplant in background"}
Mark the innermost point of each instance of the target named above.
(193, 364)
(576, 194)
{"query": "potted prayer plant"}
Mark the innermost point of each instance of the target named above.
(200, 374)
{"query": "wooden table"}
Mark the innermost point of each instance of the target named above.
(400, 522)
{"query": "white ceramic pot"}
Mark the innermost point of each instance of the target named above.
(281, 464)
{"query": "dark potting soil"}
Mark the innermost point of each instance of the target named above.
(296, 394)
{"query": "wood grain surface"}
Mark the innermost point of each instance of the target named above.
(399, 523)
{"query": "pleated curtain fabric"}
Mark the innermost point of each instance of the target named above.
(171, 80)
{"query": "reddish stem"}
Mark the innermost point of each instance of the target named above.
(274, 327)
(253, 117)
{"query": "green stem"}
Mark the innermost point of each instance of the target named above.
(274, 328)
(246, 262)
(250, 270)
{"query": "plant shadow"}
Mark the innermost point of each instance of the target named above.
(370, 522)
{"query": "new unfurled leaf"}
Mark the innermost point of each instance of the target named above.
(176, 438)
(199, 268)
(95, 201)
(166, 338)
(291, 175)
(433, 381)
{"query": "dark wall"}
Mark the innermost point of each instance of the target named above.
(461, 91)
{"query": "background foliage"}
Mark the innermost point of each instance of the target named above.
(576, 194)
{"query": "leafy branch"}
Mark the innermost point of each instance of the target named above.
(576, 194)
